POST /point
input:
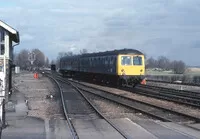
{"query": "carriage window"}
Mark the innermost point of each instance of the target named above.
(126, 60)
(90, 61)
(110, 60)
(137, 60)
(106, 60)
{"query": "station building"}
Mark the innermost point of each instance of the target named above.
(9, 38)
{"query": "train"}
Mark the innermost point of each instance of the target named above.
(53, 67)
(120, 67)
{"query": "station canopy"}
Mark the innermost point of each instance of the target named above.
(14, 35)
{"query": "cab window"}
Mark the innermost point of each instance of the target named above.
(137, 60)
(126, 60)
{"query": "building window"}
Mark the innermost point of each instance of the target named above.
(2, 46)
(2, 49)
(2, 34)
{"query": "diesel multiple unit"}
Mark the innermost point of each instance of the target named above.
(125, 66)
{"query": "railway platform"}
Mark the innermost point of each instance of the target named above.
(31, 113)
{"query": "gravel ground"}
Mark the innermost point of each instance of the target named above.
(43, 118)
(37, 94)
(162, 103)
(175, 86)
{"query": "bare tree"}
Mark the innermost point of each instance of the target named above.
(15, 56)
(163, 63)
(47, 62)
(151, 63)
(53, 62)
(83, 51)
(39, 58)
(179, 67)
(60, 55)
(21, 59)
(69, 53)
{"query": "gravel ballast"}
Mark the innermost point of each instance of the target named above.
(175, 86)
(170, 105)
(113, 110)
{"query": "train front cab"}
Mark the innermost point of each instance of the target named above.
(131, 69)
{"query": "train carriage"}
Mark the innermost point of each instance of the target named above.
(125, 66)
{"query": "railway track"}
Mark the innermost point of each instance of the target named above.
(72, 129)
(177, 83)
(63, 85)
(188, 98)
(158, 112)
(155, 111)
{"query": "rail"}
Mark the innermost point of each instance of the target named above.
(73, 131)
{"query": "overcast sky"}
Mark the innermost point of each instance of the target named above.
(155, 27)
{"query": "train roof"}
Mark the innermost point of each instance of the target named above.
(106, 53)
(70, 57)
(114, 52)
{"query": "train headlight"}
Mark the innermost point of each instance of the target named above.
(123, 72)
